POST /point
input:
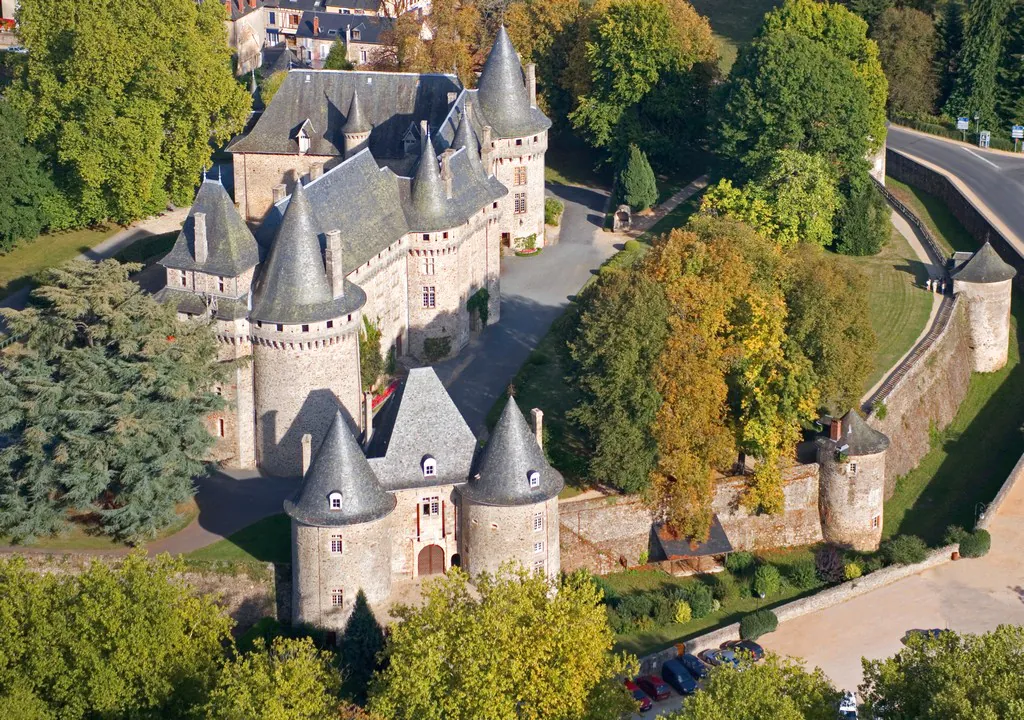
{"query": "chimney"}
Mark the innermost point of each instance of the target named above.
(531, 83)
(252, 3)
(199, 233)
(316, 170)
(332, 261)
(278, 192)
(316, 26)
(452, 96)
(538, 425)
(446, 172)
(368, 419)
(307, 452)
(348, 35)
(486, 149)
(424, 129)
(836, 429)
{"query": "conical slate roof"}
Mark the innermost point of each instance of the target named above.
(293, 287)
(356, 121)
(466, 139)
(232, 247)
(985, 267)
(429, 208)
(340, 466)
(859, 437)
(504, 98)
(511, 455)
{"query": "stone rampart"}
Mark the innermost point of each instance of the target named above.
(602, 530)
(799, 523)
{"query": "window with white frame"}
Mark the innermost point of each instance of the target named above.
(220, 284)
(335, 544)
(334, 501)
(429, 467)
(337, 597)
(429, 298)
(852, 468)
(325, 50)
(538, 522)
(428, 266)
(534, 477)
(431, 505)
(538, 547)
(363, 57)
(539, 567)
(520, 203)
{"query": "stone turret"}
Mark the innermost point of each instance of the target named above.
(985, 282)
(852, 460)
(357, 128)
(510, 504)
(341, 539)
(305, 336)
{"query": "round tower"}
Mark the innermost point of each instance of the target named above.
(509, 508)
(852, 485)
(356, 130)
(985, 282)
(513, 140)
(304, 321)
(341, 535)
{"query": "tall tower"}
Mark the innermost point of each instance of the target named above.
(852, 486)
(210, 269)
(986, 283)
(510, 505)
(341, 540)
(304, 323)
(514, 139)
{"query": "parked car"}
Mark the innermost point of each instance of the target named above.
(749, 646)
(676, 675)
(653, 686)
(933, 633)
(720, 657)
(639, 695)
(848, 706)
(693, 663)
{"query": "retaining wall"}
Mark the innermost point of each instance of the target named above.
(798, 524)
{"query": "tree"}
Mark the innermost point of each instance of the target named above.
(974, 90)
(102, 401)
(916, 681)
(371, 360)
(457, 44)
(337, 58)
(951, 34)
(289, 680)
(907, 45)
(862, 223)
(621, 334)
(870, 10)
(774, 689)
(125, 641)
(270, 85)
(498, 652)
(361, 644)
(544, 31)
(1010, 86)
(638, 185)
(127, 136)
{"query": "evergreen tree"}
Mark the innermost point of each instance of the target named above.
(870, 10)
(371, 361)
(102, 402)
(337, 58)
(638, 186)
(974, 91)
(361, 644)
(862, 223)
(1010, 92)
(951, 41)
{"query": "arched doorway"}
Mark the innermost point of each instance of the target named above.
(431, 560)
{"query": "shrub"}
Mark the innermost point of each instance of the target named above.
(740, 562)
(636, 182)
(700, 598)
(976, 544)
(616, 622)
(553, 210)
(758, 623)
(904, 550)
(478, 303)
(954, 534)
(725, 588)
(632, 246)
(829, 563)
(644, 557)
(436, 348)
(663, 610)
(881, 410)
(635, 607)
(802, 574)
(851, 571)
(872, 563)
(767, 581)
(683, 612)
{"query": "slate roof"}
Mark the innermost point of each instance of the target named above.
(293, 286)
(340, 466)
(371, 6)
(502, 95)
(511, 454)
(191, 304)
(278, 58)
(356, 121)
(332, 26)
(420, 420)
(858, 438)
(985, 267)
(232, 247)
(392, 102)
(673, 547)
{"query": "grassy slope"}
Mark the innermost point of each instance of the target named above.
(268, 540)
(734, 23)
(18, 267)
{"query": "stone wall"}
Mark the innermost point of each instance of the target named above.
(505, 156)
(412, 531)
(600, 531)
(256, 174)
(799, 524)
(493, 535)
(385, 281)
(928, 396)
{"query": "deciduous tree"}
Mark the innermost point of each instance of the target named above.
(862, 223)
(907, 44)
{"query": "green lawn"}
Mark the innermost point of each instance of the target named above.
(898, 303)
(935, 214)
(734, 22)
(18, 267)
(570, 161)
(268, 540)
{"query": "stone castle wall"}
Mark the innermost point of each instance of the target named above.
(384, 280)
(412, 531)
(988, 314)
(256, 174)
(851, 499)
(799, 523)
(492, 536)
(505, 157)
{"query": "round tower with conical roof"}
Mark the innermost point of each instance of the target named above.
(985, 283)
(341, 538)
(356, 130)
(514, 139)
(304, 321)
(509, 507)
(852, 486)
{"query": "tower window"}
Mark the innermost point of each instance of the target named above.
(539, 567)
(444, 235)
(431, 505)
(428, 296)
(280, 327)
(876, 522)
(520, 175)
(334, 501)
(520, 203)
(534, 477)
(335, 544)
(538, 547)
(184, 278)
(519, 141)
(429, 467)
(538, 522)
(337, 597)
(426, 237)
(220, 427)
(428, 266)
(853, 468)
(305, 328)
(220, 284)
(330, 324)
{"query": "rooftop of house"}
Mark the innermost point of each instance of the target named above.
(295, 5)
(984, 267)
(240, 8)
(336, 26)
(279, 58)
(856, 437)
(369, 6)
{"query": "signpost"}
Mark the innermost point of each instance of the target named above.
(963, 125)
(1017, 133)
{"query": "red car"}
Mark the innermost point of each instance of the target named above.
(639, 696)
(654, 686)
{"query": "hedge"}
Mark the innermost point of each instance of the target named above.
(758, 623)
(976, 544)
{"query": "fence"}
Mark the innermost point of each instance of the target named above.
(929, 240)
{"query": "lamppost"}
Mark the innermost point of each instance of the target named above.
(977, 123)
(979, 512)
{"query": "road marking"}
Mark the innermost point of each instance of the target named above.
(983, 159)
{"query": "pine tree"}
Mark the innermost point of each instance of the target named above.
(1010, 93)
(361, 644)
(950, 46)
(337, 58)
(974, 91)
(371, 361)
(639, 188)
(102, 402)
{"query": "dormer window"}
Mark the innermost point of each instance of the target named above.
(429, 467)
(355, 35)
(334, 501)
(534, 477)
(304, 135)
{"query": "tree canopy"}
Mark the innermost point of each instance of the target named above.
(102, 399)
(337, 58)
(974, 89)
(907, 45)
(637, 183)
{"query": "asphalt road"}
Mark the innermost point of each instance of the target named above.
(996, 178)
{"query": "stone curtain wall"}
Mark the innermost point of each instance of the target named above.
(799, 523)
(928, 396)
(597, 532)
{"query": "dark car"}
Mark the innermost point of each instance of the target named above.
(745, 646)
(639, 696)
(676, 675)
(932, 634)
(720, 657)
(694, 665)
(653, 686)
